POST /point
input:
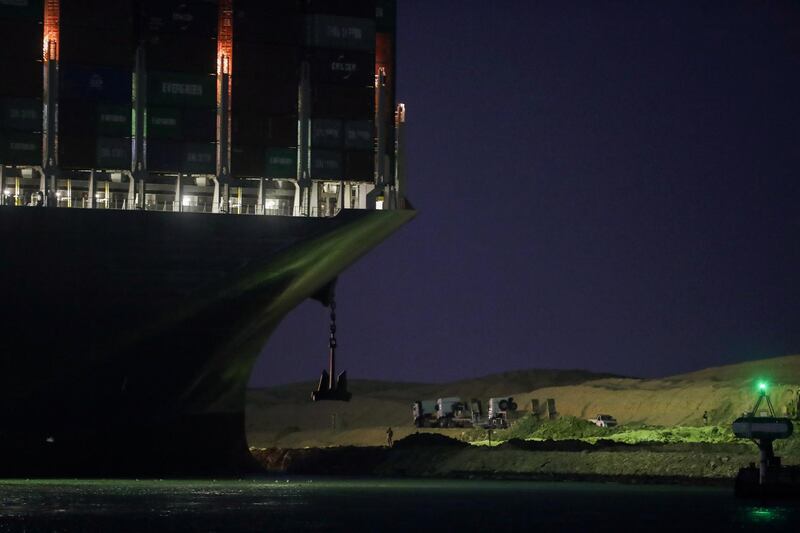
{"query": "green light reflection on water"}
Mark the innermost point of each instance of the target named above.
(764, 515)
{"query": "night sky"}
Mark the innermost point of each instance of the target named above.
(602, 185)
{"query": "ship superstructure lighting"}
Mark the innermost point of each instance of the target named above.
(367, 176)
(52, 13)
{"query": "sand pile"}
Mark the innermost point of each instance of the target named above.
(428, 440)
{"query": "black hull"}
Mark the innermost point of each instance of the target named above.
(128, 338)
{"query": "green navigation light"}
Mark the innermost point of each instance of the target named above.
(762, 386)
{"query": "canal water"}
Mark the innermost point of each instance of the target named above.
(304, 504)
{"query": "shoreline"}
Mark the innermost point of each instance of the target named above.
(443, 458)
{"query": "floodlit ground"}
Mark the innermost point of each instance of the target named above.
(667, 410)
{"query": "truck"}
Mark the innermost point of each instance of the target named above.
(446, 412)
(424, 413)
(499, 411)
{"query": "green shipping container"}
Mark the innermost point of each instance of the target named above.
(24, 149)
(163, 123)
(200, 158)
(175, 89)
(326, 133)
(21, 114)
(326, 164)
(114, 154)
(114, 121)
(359, 135)
(281, 163)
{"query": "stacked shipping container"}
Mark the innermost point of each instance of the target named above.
(266, 55)
(343, 43)
(340, 49)
(95, 65)
(21, 89)
(272, 40)
(180, 51)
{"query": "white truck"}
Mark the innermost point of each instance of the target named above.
(445, 412)
(424, 413)
(604, 421)
(499, 411)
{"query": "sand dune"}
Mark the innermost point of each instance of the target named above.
(725, 392)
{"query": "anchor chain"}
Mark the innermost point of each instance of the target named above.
(332, 341)
(332, 386)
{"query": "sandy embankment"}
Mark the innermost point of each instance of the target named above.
(282, 422)
(285, 417)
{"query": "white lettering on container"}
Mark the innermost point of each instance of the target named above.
(326, 163)
(181, 89)
(348, 68)
(344, 32)
(117, 119)
(279, 160)
(96, 82)
(112, 152)
(359, 135)
(182, 17)
(26, 114)
(327, 132)
(198, 157)
(164, 121)
(27, 147)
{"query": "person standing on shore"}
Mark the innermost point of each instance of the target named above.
(705, 418)
(389, 435)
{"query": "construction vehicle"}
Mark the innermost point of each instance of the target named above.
(424, 413)
(446, 412)
(455, 412)
(500, 409)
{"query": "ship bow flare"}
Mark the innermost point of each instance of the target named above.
(133, 335)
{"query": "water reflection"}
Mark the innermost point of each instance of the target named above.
(374, 505)
(767, 515)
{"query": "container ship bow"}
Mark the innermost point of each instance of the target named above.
(176, 177)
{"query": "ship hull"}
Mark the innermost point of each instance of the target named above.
(128, 338)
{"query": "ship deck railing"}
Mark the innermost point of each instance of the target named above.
(170, 207)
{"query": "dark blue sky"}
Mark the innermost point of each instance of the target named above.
(603, 185)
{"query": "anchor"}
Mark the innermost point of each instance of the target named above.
(331, 386)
